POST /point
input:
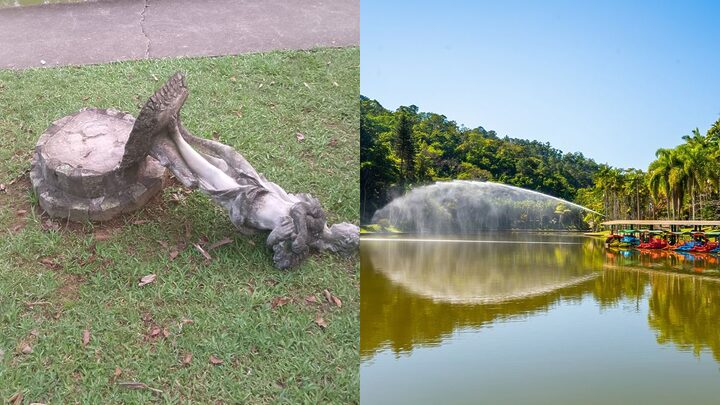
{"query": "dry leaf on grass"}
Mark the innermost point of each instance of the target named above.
(320, 321)
(300, 136)
(17, 398)
(118, 372)
(279, 301)
(134, 385)
(50, 263)
(173, 254)
(205, 254)
(250, 288)
(85, 337)
(331, 298)
(187, 359)
(150, 278)
(145, 280)
(311, 299)
(2, 187)
(219, 243)
(25, 348)
(182, 324)
(155, 331)
(20, 212)
(215, 361)
(13, 181)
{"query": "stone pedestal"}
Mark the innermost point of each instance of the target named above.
(75, 170)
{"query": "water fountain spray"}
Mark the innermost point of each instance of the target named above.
(466, 207)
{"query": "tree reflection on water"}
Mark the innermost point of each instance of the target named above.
(418, 294)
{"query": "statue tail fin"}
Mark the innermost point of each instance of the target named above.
(154, 117)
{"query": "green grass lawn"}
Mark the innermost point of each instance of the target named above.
(57, 283)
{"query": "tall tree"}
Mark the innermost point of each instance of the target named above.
(405, 146)
(377, 170)
(659, 179)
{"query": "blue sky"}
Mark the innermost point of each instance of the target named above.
(612, 80)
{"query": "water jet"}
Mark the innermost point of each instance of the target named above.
(466, 207)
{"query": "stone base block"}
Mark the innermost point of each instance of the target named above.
(75, 170)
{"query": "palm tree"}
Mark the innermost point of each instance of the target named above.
(659, 178)
(606, 180)
(690, 170)
(601, 180)
(667, 174)
(635, 181)
(696, 164)
(617, 187)
(613, 184)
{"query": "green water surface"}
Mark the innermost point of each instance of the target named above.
(528, 318)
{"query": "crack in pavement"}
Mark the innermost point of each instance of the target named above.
(142, 28)
(130, 30)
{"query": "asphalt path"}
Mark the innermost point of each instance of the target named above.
(113, 30)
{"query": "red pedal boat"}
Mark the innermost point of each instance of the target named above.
(705, 248)
(654, 240)
(655, 243)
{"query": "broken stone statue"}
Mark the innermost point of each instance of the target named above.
(96, 164)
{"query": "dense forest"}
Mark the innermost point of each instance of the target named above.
(406, 148)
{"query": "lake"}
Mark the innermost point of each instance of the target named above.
(533, 318)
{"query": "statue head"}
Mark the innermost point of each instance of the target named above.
(343, 238)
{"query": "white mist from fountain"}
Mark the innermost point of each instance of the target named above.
(467, 207)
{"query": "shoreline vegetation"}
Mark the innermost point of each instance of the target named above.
(407, 148)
